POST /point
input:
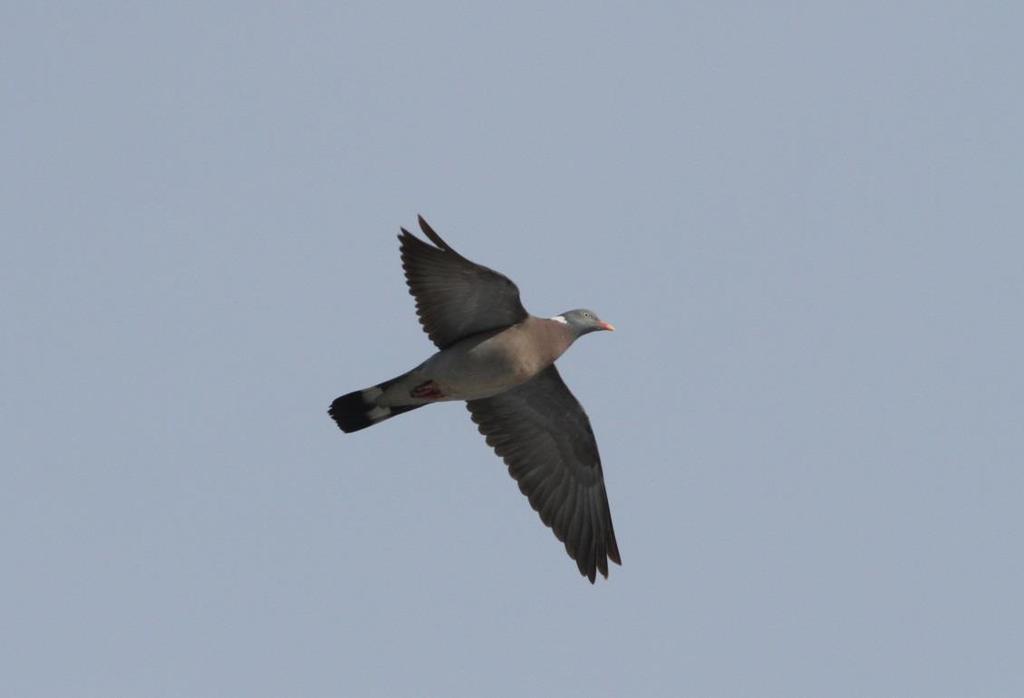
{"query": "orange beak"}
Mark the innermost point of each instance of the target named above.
(608, 326)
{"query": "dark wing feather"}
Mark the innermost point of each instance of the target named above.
(455, 298)
(542, 433)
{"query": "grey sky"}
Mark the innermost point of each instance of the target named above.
(804, 218)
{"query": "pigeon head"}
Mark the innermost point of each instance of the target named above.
(582, 321)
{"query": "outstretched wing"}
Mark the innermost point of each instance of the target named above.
(455, 298)
(542, 433)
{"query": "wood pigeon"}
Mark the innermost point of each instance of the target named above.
(500, 360)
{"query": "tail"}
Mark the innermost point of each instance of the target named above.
(359, 409)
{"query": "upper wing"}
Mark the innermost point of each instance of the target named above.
(544, 436)
(455, 298)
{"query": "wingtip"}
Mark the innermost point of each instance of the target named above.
(612, 545)
(590, 569)
(424, 226)
(432, 234)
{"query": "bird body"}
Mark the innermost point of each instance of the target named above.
(484, 365)
(501, 361)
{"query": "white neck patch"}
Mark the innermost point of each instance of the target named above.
(561, 319)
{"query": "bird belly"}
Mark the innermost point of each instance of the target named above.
(476, 368)
(470, 376)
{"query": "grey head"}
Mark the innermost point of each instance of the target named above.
(582, 321)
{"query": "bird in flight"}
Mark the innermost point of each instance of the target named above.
(501, 361)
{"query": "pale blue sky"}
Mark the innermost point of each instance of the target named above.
(804, 218)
